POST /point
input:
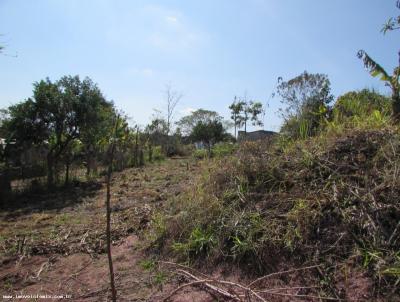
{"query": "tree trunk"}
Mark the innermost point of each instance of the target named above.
(396, 107)
(141, 157)
(136, 153)
(150, 152)
(67, 164)
(88, 166)
(108, 233)
(108, 214)
(5, 185)
(50, 170)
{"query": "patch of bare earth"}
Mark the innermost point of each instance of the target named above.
(54, 244)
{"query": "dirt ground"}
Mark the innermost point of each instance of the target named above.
(54, 244)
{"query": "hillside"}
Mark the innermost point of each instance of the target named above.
(330, 201)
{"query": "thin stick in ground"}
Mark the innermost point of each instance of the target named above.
(108, 211)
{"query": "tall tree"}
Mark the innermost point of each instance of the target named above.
(172, 98)
(377, 70)
(251, 110)
(236, 113)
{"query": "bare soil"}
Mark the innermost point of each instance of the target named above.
(54, 243)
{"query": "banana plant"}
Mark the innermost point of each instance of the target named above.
(377, 70)
(391, 81)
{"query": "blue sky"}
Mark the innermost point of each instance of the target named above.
(210, 50)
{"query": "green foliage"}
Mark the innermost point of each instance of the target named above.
(200, 154)
(360, 109)
(160, 278)
(209, 133)
(187, 123)
(223, 149)
(147, 264)
(243, 111)
(236, 113)
(158, 154)
(219, 150)
(307, 98)
(376, 70)
(59, 113)
(200, 242)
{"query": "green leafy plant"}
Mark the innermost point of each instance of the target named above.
(199, 242)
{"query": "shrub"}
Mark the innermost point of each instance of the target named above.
(223, 149)
(200, 153)
(360, 109)
(158, 154)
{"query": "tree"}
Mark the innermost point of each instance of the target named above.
(5, 154)
(307, 98)
(155, 132)
(377, 70)
(236, 110)
(250, 112)
(96, 116)
(255, 109)
(172, 97)
(56, 115)
(209, 133)
(3, 118)
(187, 123)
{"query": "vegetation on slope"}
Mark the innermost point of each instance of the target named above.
(331, 199)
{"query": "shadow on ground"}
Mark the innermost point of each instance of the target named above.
(56, 199)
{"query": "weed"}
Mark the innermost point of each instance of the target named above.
(199, 243)
(147, 264)
(160, 278)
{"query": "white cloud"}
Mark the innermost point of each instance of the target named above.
(172, 31)
(187, 111)
(153, 27)
(171, 19)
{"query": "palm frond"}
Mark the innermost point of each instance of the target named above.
(373, 67)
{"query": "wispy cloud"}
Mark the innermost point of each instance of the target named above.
(173, 31)
(186, 111)
(171, 19)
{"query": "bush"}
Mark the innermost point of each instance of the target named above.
(223, 149)
(363, 109)
(158, 154)
(200, 153)
(218, 150)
